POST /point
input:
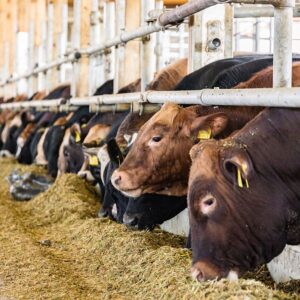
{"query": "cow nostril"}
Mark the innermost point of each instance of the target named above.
(200, 277)
(130, 221)
(117, 180)
(102, 213)
(197, 274)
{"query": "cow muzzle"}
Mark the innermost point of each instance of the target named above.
(121, 181)
(203, 270)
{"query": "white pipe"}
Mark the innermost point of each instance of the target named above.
(273, 97)
(228, 38)
(259, 12)
(76, 45)
(49, 46)
(282, 60)
(147, 58)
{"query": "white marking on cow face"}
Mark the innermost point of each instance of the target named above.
(114, 211)
(20, 145)
(132, 139)
(127, 138)
(87, 175)
(232, 276)
(19, 149)
(104, 160)
(40, 158)
(5, 153)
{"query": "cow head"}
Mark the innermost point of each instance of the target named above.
(149, 210)
(159, 161)
(235, 223)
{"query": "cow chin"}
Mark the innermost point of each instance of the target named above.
(132, 193)
(203, 270)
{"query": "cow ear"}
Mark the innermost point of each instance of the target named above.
(206, 127)
(238, 167)
(75, 134)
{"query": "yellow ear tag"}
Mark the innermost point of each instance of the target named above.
(204, 134)
(240, 180)
(93, 161)
(77, 137)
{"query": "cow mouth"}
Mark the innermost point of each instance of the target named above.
(199, 274)
(133, 193)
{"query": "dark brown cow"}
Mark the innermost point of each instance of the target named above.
(244, 196)
(158, 161)
(264, 79)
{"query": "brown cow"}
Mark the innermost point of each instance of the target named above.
(264, 78)
(158, 161)
(167, 78)
(244, 196)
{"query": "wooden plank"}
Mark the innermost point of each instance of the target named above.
(119, 52)
(2, 35)
(49, 50)
(23, 15)
(22, 58)
(39, 21)
(57, 31)
(32, 81)
(12, 42)
(5, 45)
(132, 49)
(41, 40)
(85, 28)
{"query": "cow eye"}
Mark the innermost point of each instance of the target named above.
(156, 138)
(66, 154)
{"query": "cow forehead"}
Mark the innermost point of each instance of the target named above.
(205, 161)
(169, 116)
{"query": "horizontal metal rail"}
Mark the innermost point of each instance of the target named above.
(269, 97)
(259, 12)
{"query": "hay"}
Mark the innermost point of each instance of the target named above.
(54, 247)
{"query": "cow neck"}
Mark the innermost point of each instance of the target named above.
(176, 188)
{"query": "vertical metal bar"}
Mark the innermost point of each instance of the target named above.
(271, 35)
(159, 41)
(237, 36)
(76, 45)
(63, 40)
(31, 53)
(95, 39)
(283, 18)
(109, 25)
(42, 56)
(228, 40)
(120, 50)
(147, 59)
